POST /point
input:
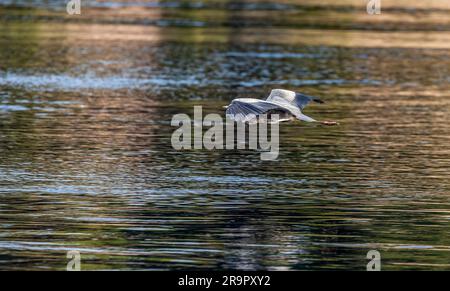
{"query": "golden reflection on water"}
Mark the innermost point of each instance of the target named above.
(312, 37)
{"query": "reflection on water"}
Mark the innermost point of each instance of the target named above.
(86, 161)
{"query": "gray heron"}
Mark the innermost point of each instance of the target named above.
(287, 104)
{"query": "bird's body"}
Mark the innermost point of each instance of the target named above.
(287, 104)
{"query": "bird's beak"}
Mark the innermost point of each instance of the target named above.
(225, 107)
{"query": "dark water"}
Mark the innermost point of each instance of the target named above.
(87, 164)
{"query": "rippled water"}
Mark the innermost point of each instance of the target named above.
(87, 164)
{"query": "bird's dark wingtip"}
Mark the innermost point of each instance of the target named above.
(318, 100)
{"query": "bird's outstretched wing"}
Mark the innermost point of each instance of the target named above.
(246, 109)
(298, 100)
(302, 100)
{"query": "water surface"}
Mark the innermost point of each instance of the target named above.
(87, 164)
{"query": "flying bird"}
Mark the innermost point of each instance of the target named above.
(287, 104)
